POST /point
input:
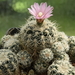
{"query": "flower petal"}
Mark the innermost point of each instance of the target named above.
(37, 7)
(31, 11)
(48, 10)
(48, 15)
(38, 17)
(43, 6)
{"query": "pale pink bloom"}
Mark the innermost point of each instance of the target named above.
(41, 11)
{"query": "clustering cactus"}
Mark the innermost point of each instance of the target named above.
(46, 55)
(52, 48)
(37, 47)
(8, 63)
(24, 59)
(5, 38)
(62, 36)
(40, 66)
(57, 47)
(60, 46)
(60, 67)
(61, 56)
(72, 48)
(13, 45)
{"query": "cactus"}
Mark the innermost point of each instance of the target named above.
(40, 66)
(5, 38)
(65, 45)
(13, 45)
(57, 47)
(35, 38)
(46, 55)
(62, 56)
(60, 46)
(59, 67)
(71, 51)
(24, 59)
(13, 31)
(62, 36)
(71, 54)
(8, 63)
(72, 42)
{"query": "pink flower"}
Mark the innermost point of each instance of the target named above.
(41, 11)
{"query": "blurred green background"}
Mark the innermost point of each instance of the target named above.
(13, 13)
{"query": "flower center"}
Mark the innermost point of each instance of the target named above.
(40, 14)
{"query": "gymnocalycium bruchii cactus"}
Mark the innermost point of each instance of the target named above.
(37, 47)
